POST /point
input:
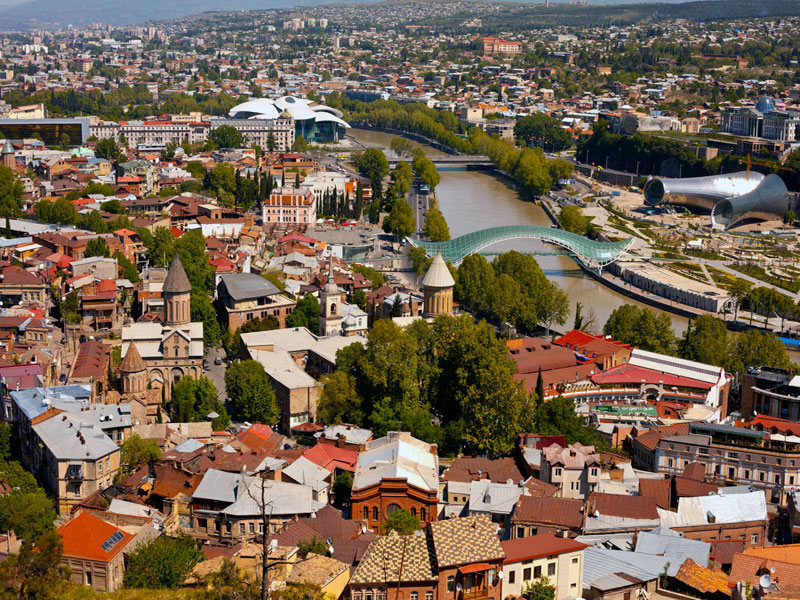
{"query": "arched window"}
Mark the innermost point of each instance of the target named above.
(413, 511)
(374, 513)
(392, 508)
(451, 583)
(366, 513)
(422, 514)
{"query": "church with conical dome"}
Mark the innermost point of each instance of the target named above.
(156, 355)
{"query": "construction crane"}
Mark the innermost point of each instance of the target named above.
(750, 162)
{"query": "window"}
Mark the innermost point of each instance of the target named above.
(761, 476)
(791, 479)
(537, 572)
(754, 538)
(202, 523)
(451, 583)
(731, 473)
(414, 596)
(252, 527)
(428, 595)
(594, 472)
(241, 528)
(669, 462)
(575, 561)
(490, 577)
(557, 472)
(551, 569)
(261, 528)
(365, 510)
(392, 508)
(374, 513)
(100, 466)
(747, 473)
(526, 574)
(777, 478)
(512, 576)
(414, 510)
(422, 514)
(356, 595)
(520, 532)
(88, 578)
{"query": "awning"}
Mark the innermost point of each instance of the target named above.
(474, 568)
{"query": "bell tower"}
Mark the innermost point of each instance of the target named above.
(330, 318)
(177, 291)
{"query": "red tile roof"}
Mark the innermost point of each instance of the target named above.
(629, 374)
(545, 544)
(468, 468)
(771, 424)
(332, 457)
(92, 360)
(562, 512)
(85, 535)
(631, 507)
(750, 568)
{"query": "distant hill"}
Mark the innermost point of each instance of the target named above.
(55, 13)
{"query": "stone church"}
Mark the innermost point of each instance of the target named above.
(156, 355)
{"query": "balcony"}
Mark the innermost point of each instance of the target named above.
(475, 594)
(73, 475)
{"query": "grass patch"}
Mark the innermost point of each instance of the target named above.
(761, 274)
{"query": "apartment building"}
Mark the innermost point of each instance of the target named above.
(771, 392)
(247, 296)
(575, 470)
(290, 206)
(493, 45)
(560, 559)
(731, 455)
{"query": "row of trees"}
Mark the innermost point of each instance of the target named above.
(450, 382)
(706, 340)
(511, 289)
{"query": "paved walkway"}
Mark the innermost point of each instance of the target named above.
(722, 266)
(708, 275)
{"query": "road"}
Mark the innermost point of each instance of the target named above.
(216, 373)
(420, 203)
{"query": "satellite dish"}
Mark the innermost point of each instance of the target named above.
(499, 574)
(765, 581)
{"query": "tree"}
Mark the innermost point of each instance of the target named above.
(572, 219)
(642, 328)
(97, 247)
(196, 168)
(706, 341)
(113, 206)
(271, 144)
(539, 589)
(129, 270)
(340, 401)
(36, 573)
(419, 259)
(226, 136)
(162, 563)
(300, 144)
(739, 290)
(229, 583)
(401, 521)
(558, 416)
(360, 299)
(436, 226)
(251, 392)
(375, 277)
(60, 211)
(29, 514)
(11, 192)
(401, 146)
(305, 314)
(135, 452)
(542, 130)
(342, 486)
(582, 323)
(559, 169)
(313, 546)
(223, 177)
(107, 148)
(193, 400)
(373, 165)
(755, 349)
(401, 221)
(790, 217)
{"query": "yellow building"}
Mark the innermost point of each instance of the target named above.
(557, 558)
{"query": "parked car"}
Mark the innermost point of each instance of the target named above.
(218, 361)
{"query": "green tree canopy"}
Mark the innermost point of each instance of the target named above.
(401, 521)
(97, 247)
(226, 136)
(193, 400)
(10, 193)
(135, 452)
(249, 388)
(162, 563)
(107, 148)
(542, 130)
(436, 226)
(572, 219)
(305, 314)
(36, 573)
(641, 327)
(340, 401)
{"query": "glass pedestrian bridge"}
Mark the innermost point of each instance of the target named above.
(591, 253)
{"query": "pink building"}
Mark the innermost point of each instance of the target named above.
(291, 206)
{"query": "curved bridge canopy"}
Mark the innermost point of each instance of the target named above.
(591, 253)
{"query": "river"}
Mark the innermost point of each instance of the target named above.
(473, 200)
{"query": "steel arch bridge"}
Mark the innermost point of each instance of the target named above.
(591, 253)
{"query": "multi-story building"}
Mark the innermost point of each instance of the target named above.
(246, 296)
(278, 134)
(575, 470)
(771, 392)
(731, 455)
(290, 206)
(741, 120)
(493, 45)
(781, 126)
(67, 442)
(396, 472)
(560, 559)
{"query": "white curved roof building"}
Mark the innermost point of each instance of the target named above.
(316, 123)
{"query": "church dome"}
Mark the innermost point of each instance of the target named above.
(438, 275)
(176, 282)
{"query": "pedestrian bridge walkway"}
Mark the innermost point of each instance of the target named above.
(591, 253)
